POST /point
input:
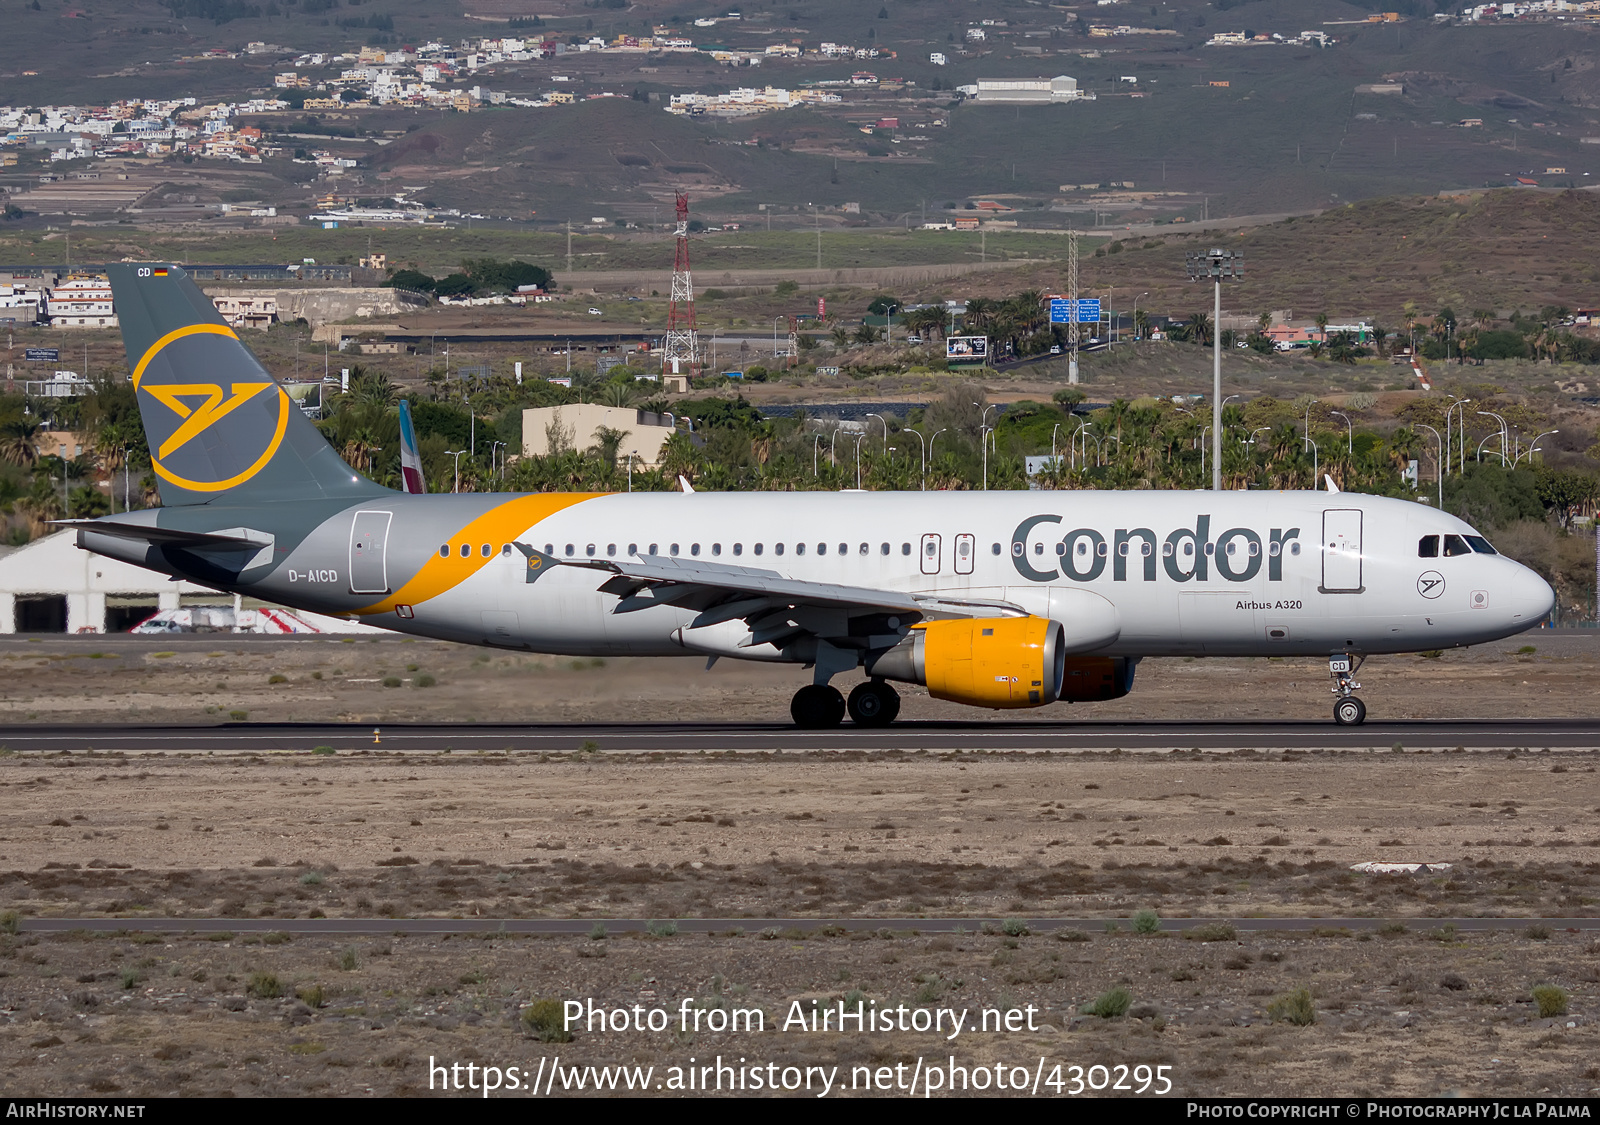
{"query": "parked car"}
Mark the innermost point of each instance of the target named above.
(596, 312)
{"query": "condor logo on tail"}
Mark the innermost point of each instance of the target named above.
(202, 440)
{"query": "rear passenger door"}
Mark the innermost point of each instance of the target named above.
(930, 554)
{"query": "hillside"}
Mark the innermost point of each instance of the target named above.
(1500, 250)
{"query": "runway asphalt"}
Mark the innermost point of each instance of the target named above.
(584, 926)
(688, 738)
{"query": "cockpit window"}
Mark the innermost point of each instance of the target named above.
(1428, 547)
(1455, 545)
(1480, 544)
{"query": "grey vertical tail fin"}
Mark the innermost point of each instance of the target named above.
(220, 428)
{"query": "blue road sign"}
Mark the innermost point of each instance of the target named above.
(47, 355)
(1062, 311)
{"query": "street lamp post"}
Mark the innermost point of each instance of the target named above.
(1505, 436)
(1462, 438)
(1137, 335)
(885, 425)
(456, 453)
(983, 436)
(859, 438)
(1439, 465)
(931, 440)
(1217, 265)
(924, 446)
(1309, 405)
(815, 439)
(1533, 448)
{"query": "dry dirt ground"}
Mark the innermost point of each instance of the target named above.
(391, 679)
(1418, 1010)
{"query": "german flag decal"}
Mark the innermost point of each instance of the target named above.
(159, 271)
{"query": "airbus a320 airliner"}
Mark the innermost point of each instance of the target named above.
(993, 599)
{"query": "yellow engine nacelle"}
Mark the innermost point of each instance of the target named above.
(995, 662)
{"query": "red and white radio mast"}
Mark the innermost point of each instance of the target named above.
(681, 354)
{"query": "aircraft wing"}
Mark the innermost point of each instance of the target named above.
(722, 591)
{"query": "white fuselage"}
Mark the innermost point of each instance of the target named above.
(1203, 573)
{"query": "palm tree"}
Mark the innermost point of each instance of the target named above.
(1322, 326)
(17, 442)
(1197, 329)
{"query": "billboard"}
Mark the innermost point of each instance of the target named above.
(1063, 310)
(968, 349)
(46, 355)
(308, 396)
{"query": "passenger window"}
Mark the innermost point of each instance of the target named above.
(905, 548)
(1255, 549)
(931, 549)
(777, 548)
(864, 549)
(758, 548)
(1480, 545)
(487, 550)
(569, 550)
(633, 548)
(589, 550)
(883, 550)
(1428, 547)
(694, 549)
(652, 548)
(716, 549)
(822, 548)
(1455, 545)
(465, 550)
(1294, 548)
(1167, 550)
(505, 548)
(738, 548)
(799, 549)
(1038, 549)
(844, 548)
(611, 550)
(995, 549)
(1061, 548)
(549, 548)
(444, 552)
(673, 550)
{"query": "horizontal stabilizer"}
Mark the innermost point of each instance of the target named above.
(149, 533)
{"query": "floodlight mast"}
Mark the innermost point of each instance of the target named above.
(1217, 265)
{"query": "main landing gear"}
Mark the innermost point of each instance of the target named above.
(1348, 711)
(819, 706)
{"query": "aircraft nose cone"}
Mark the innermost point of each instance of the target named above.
(1532, 599)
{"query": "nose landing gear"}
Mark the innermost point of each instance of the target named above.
(1348, 711)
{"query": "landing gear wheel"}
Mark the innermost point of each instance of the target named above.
(874, 704)
(1350, 712)
(817, 707)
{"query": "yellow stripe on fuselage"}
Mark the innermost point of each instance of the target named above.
(500, 524)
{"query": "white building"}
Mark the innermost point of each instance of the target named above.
(53, 586)
(252, 311)
(574, 426)
(82, 302)
(1033, 91)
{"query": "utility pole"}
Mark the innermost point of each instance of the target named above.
(1216, 264)
(1072, 295)
(569, 249)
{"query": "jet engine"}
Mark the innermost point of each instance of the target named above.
(1090, 679)
(998, 662)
